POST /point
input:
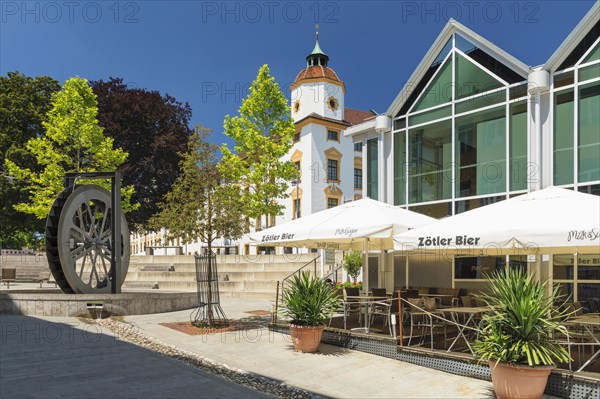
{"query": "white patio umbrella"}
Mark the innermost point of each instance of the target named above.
(347, 226)
(548, 221)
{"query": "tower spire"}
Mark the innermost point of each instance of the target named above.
(317, 57)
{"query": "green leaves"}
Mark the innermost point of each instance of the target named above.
(263, 133)
(309, 301)
(353, 263)
(24, 102)
(522, 321)
(202, 204)
(73, 142)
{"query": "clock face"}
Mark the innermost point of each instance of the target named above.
(297, 106)
(332, 103)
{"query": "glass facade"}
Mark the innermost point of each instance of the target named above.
(372, 169)
(576, 122)
(579, 277)
(462, 141)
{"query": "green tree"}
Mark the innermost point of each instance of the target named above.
(263, 133)
(202, 204)
(24, 103)
(73, 142)
(154, 129)
(353, 263)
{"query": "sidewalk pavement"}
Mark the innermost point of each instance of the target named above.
(333, 371)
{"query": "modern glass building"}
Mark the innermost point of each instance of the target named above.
(473, 126)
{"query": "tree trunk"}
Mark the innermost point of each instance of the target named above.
(209, 310)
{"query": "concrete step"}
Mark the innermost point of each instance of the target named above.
(141, 285)
(245, 267)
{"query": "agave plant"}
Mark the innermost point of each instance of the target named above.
(522, 321)
(309, 301)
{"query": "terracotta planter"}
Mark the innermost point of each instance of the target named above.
(306, 339)
(513, 381)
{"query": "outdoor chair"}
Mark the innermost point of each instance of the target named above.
(386, 310)
(594, 306)
(352, 305)
(412, 293)
(339, 292)
(379, 308)
(423, 315)
(379, 292)
(467, 301)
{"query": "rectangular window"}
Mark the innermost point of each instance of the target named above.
(564, 122)
(588, 135)
(297, 208)
(400, 168)
(481, 153)
(430, 163)
(296, 137)
(518, 146)
(372, 169)
(332, 135)
(357, 147)
(357, 179)
(297, 165)
(478, 267)
(332, 169)
(332, 202)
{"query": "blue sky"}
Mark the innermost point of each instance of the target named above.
(207, 52)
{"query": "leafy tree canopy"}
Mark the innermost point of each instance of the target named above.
(202, 205)
(263, 133)
(73, 142)
(24, 103)
(154, 130)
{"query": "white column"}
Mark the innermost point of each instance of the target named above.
(380, 168)
(364, 167)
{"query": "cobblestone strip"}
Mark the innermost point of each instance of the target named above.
(129, 332)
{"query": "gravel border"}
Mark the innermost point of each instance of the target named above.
(130, 333)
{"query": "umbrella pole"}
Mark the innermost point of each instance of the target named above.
(400, 313)
(366, 267)
(407, 263)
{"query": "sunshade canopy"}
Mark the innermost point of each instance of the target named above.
(344, 227)
(548, 221)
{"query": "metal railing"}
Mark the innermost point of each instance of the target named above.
(299, 272)
(334, 273)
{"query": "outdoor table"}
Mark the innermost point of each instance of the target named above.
(588, 321)
(366, 301)
(469, 313)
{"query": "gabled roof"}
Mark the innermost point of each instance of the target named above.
(355, 116)
(568, 45)
(451, 27)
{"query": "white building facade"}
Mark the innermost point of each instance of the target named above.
(330, 164)
(474, 126)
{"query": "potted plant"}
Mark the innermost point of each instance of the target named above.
(352, 264)
(516, 335)
(308, 301)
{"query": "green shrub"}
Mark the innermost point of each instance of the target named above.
(309, 301)
(519, 327)
(353, 263)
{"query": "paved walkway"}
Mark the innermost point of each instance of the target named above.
(333, 371)
(83, 362)
(65, 358)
